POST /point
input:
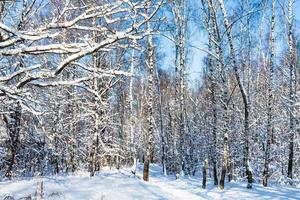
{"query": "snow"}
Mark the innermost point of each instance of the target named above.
(116, 185)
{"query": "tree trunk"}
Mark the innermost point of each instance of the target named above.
(224, 163)
(150, 98)
(212, 81)
(244, 96)
(131, 103)
(225, 99)
(13, 124)
(175, 137)
(204, 174)
(291, 91)
(162, 132)
(182, 128)
(91, 159)
(270, 100)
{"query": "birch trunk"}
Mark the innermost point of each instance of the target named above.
(270, 100)
(224, 88)
(131, 121)
(175, 137)
(161, 125)
(93, 146)
(150, 65)
(291, 90)
(213, 102)
(244, 95)
(180, 12)
(177, 134)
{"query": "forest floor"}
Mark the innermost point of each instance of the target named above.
(122, 185)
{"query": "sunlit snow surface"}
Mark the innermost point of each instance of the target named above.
(122, 185)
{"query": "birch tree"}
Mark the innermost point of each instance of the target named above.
(243, 92)
(270, 100)
(150, 65)
(291, 90)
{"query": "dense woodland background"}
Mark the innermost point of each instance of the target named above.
(84, 85)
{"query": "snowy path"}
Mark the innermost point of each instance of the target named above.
(113, 185)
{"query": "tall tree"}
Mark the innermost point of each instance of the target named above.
(270, 100)
(291, 89)
(213, 86)
(150, 124)
(243, 92)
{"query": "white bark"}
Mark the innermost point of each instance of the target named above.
(150, 119)
(270, 100)
(291, 89)
(243, 92)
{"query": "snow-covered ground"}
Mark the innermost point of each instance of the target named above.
(122, 185)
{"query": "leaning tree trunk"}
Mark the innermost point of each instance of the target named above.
(244, 96)
(270, 100)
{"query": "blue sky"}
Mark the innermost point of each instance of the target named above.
(197, 37)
